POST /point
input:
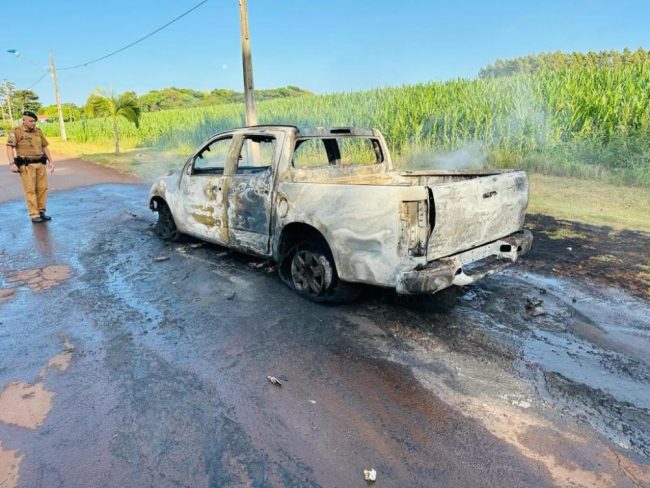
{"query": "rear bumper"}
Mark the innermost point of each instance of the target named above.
(465, 267)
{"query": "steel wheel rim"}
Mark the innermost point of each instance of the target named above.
(308, 273)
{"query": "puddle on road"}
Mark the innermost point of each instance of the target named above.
(589, 341)
(41, 279)
(9, 464)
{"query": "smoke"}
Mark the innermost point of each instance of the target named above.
(472, 155)
(519, 126)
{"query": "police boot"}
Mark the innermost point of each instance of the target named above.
(37, 220)
(45, 217)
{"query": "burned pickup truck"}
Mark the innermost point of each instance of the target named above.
(328, 207)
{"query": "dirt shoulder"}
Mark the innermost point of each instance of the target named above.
(70, 172)
(596, 253)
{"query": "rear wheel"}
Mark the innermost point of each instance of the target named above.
(165, 227)
(311, 272)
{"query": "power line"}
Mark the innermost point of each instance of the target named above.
(82, 65)
(39, 80)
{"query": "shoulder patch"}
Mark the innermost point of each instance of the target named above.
(11, 138)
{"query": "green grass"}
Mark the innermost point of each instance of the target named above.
(592, 202)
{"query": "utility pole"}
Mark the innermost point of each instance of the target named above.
(5, 87)
(249, 95)
(58, 98)
(11, 115)
(8, 93)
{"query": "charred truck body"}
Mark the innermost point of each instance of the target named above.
(327, 205)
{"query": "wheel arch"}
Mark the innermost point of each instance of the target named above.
(155, 201)
(291, 235)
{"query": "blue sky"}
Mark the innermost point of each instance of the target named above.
(321, 45)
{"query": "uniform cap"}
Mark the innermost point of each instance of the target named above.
(31, 114)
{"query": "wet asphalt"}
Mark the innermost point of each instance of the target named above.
(170, 347)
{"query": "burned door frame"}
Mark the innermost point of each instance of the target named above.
(250, 198)
(203, 195)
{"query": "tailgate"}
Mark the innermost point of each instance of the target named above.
(476, 211)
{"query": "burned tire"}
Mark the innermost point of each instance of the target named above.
(311, 272)
(165, 227)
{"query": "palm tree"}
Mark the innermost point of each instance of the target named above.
(101, 103)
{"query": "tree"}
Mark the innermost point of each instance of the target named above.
(70, 112)
(107, 104)
(25, 100)
(558, 60)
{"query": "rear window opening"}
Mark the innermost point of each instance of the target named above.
(314, 152)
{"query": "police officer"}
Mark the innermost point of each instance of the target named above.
(29, 155)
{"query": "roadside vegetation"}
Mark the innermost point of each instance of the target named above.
(579, 122)
(587, 119)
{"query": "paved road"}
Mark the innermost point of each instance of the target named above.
(69, 173)
(125, 361)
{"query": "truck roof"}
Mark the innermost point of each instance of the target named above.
(321, 131)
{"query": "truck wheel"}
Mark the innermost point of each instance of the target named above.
(165, 227)
(313, 275)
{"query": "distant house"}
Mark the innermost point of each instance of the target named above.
(43, 119)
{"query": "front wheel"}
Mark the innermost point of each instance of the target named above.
(165, 227)
(312, 274)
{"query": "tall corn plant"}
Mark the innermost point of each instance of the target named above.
(108, 104)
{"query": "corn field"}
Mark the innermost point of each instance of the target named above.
(590, 122)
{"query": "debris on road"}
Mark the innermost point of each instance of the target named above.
(274, 380)
(196, 245)
(256, 265)
(231, 295)
(534, 307)
(159, 259)
(369, 474)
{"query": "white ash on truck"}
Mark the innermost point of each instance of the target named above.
(327, 205)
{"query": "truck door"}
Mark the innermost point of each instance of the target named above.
(203, 188)
(250, 193)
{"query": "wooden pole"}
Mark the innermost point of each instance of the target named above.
(249, 94)
(6, 88)
(58, 98)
